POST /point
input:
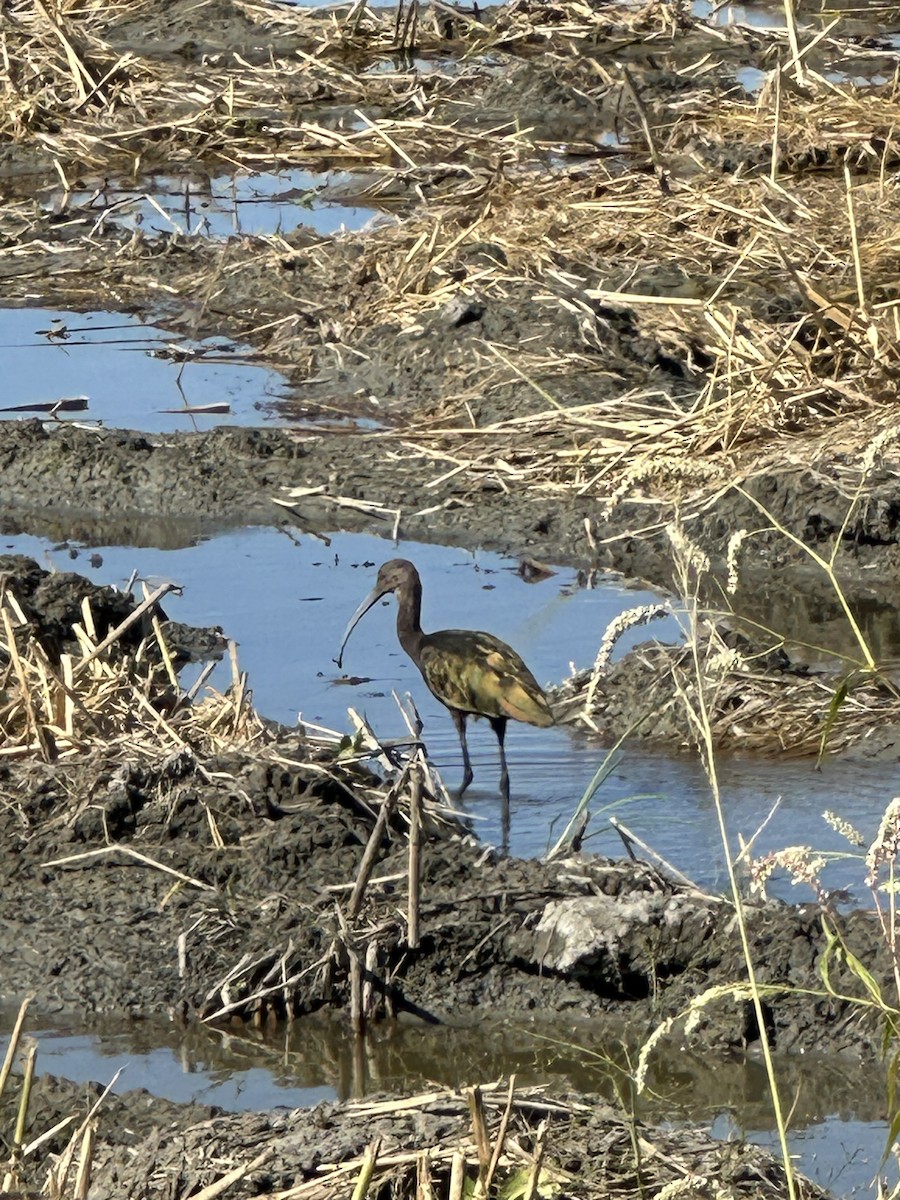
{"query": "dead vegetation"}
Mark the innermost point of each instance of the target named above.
(114, 691)
(709, 275)
(493, 1140)
(714, 272)
(757, 700)
(496, 1139)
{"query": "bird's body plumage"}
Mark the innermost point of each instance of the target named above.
(478, 674)
(471, 673)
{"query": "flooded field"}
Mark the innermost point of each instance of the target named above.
(258, 204)
(109, 369)
(587, 311)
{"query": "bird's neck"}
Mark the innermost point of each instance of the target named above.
(409, 616)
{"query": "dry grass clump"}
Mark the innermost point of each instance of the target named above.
(754, 702)
(94, 107)
(527, 1143)
(763, 317)
(108, 695)
(487, 1141)
(122, 697)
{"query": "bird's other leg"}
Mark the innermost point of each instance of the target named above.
(498, 724)
(459, 720)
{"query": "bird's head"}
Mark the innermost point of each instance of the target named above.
(394, 576)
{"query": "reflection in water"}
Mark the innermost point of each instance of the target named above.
(855, 17)
(254, 203)
(316, 1059)
(49, 354)
(69, 534)
(812, 622)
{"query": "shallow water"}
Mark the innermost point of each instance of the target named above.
(763, 16)
(112, 360)
(836, 1130)
(254, 203)
(287, 605)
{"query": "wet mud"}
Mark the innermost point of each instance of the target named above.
(215, 886)
(147, 1147)
(580, 937)
(170, 489)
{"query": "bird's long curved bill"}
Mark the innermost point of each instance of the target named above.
(373, 597)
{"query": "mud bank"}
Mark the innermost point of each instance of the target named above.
(254, 933)
(146, 1147)
(171, 489)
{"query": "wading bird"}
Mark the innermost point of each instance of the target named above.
(472, 674)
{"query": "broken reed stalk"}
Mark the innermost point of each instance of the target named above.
(854, 242)
(367, 1170)
(25, 1096)
(501, 1137)
(113, 636)
(457, 1175)
(130, 852)
(424, 1190)
(357, 1016)
(373, 845)
(85, 1158)
(13, 1043)
(630, 839)
(59, 1172)
(24, 689)
(790, 18)
(480, 1134)
(213, 1190)
(415, 856)
(539, 1147)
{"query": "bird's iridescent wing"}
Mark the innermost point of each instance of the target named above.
(477, 673)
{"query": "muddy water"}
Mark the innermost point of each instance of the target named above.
(837, 1132)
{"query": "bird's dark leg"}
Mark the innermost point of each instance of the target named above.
(459, 720)
(498, 724)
